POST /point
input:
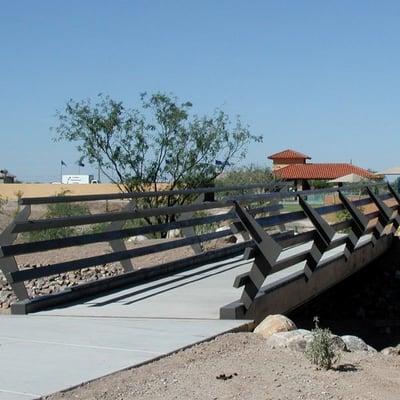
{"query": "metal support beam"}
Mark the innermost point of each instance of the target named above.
(323, 240)
(9, 264)
(189, 231)
(119, 244)
(359, 223)
(265, 254)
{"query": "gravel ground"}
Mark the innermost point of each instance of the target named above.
(243, 366)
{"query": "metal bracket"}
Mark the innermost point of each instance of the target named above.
(9, 264)
(265, 255)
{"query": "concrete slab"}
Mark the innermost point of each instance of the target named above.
(8, 395)
(53, 350)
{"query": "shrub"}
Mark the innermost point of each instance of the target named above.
(322, 350)
(58, 210)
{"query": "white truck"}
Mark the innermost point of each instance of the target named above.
(78, 179)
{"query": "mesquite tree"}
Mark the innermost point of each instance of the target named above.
(159, 144)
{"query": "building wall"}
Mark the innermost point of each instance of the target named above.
(284, 162)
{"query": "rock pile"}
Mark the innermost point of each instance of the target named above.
(281, 332)
(56, 283)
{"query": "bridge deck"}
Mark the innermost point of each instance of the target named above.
(56, 349)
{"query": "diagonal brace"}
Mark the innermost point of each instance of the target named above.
(265, 255)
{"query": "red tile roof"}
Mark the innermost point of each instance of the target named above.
(321, 171)
(288, 154)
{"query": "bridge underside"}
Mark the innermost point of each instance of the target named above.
(288, 292)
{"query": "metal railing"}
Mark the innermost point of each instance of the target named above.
(262, 211)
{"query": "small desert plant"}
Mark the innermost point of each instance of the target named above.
(3, 202)
(322, 350)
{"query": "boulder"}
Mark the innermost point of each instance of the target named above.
(354, 343)
(273, 324)
(391, 351)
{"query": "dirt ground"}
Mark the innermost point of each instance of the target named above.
(243, 366)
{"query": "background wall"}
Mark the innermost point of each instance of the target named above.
(10, 190)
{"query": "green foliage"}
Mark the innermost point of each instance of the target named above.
(320, 184)
(57, 210)
(396, 185)
(205, 228)
(160, 141)
(322, 350)
(246, 175)
(342, 215)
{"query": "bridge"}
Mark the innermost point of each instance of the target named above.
(255, 250)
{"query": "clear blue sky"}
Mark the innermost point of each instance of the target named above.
(322, 77)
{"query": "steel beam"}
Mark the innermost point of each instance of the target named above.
(9, 265)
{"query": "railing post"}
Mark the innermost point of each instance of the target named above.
(189, 231)
(9, 264)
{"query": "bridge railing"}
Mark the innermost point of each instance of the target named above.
(262, 209)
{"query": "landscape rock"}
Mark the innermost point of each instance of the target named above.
(173, 234)
(137, 238)
(339, 343)
(273, 324)
(296, 340)
(354, 343)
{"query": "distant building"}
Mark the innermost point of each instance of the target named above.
(6, 177)
(290, 165)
